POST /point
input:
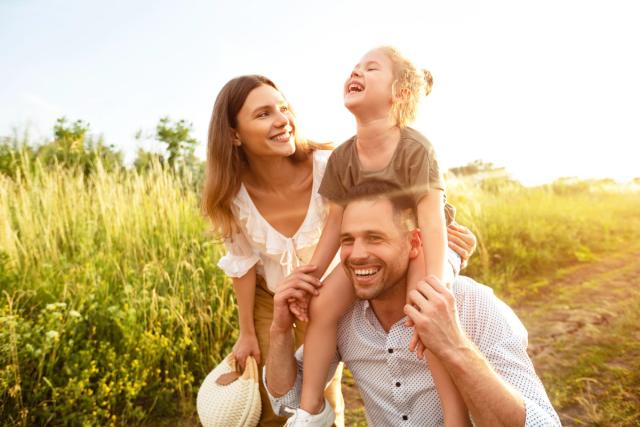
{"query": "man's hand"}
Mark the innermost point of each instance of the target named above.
(432, 309)
(300, 285)
(462, 241)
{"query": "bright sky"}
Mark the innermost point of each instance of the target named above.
(548, 88)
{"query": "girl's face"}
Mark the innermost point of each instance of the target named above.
(265, 125)
(367, 91)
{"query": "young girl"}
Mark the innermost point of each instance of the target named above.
(382, 93)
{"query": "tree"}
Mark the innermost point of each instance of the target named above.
(179, 143)
(474, 168)
(73, 148)
(145, 160)
(8, 157)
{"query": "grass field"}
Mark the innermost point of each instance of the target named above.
(112, 310)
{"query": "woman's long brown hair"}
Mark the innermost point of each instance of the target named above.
(225, 160)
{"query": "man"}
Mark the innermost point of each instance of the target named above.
(478, 339)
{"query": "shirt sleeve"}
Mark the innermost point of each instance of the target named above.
(331, 187)
(286, 404)
(455, 261)
(503, 341)
(240, 256)
(424, 171)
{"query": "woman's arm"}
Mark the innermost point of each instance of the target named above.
(247, 344)
(462, 241)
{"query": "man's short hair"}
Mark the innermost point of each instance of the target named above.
(404, 207)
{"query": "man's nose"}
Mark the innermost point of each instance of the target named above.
(359, 250)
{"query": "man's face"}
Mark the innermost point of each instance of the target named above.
(375, 251)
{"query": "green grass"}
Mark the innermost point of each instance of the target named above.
(527, 233)
(112, 310)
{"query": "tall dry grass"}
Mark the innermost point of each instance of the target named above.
(526, 233)
(112, 309)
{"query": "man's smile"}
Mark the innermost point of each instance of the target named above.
(365, 274)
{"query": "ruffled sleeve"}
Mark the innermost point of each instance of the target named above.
(240, 256)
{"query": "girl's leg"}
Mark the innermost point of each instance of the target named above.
(453, 407)
(320, 342)
(333, 394)
(333, 391)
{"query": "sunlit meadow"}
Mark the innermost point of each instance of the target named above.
(112, 309)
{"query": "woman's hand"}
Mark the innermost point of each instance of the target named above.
(246, 345)
(462, 241)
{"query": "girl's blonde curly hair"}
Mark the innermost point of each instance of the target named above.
(408, 85)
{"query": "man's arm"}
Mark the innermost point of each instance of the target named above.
(490, 400)
(491, 397)
(280, 368)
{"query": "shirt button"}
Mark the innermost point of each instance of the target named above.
(390, 350)
(405, 418)
(397, 384)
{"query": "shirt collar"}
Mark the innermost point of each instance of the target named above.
(370, 316)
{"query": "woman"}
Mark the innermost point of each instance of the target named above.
(261, 196)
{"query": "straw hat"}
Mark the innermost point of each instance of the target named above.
(228, 399)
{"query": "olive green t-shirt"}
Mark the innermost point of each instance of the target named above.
(413, 167)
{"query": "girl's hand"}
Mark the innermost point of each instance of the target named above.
(246, 345)
(302, 278)
(462, 241)
(415, 345)
(300, 307)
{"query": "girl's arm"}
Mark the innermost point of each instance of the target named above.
(247, 344)
(431, 222)
(434, 242)
(329, 240)
(322, 256)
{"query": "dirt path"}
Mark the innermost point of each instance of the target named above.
(584, 339)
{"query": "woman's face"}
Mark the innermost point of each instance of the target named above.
(265, 125)
(368, 88)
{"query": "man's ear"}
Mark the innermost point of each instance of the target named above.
(416, 243)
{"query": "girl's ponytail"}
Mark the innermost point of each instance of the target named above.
(428, 81)
(412, 81)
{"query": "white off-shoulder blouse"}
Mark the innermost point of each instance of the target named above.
(258, 243)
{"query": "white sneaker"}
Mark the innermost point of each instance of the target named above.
(302, 418)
